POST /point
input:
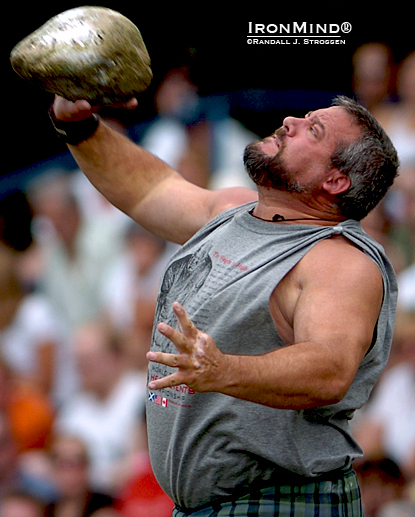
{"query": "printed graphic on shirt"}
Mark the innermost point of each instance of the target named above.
(182, 281)
(191, 280)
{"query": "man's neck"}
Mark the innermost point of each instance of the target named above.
(292, 209)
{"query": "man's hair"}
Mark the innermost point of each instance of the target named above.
(371, 162)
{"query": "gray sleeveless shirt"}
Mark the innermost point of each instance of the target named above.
(205, 446)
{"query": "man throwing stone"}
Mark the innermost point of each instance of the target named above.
(275, 317)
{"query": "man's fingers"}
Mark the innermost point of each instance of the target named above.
(131, 104)
(179, 339)
(68, 111)
(185, 340)
(186, 325)
(197, 363)
(165, 382)
(182, 361)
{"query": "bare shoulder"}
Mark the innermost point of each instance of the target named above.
(340, 293)
(339, 259)
(334, 277)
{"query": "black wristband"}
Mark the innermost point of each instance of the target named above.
(74, 132)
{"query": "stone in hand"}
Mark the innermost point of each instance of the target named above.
(91, 53)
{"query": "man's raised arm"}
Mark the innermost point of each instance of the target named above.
(139, 183)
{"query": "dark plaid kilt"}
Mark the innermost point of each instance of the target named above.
(334, 498)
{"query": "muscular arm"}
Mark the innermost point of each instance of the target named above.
(143, 186)
(331, 301)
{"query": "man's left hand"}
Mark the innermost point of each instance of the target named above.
(199, 362)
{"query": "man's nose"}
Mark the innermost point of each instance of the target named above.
(291, 125)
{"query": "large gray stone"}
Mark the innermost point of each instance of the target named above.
(91, 53)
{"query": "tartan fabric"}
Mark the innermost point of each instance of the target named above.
(337, 498)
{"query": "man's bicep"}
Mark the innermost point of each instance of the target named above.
(339, 307)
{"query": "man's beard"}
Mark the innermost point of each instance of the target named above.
(271, 171)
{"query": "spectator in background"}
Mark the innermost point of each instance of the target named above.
(30, 334)
(373, 75)
(399, 122)
(381, 482)
(180, 134)
(131, 287)
(20, 504)
(70, 472)
(29, 412)
(378, 225)
(14, 477)
(139, 493)
(392, 223)
(76, 251)
(387, 426)
(406, 278)
(398, 509)
(398, 119)
(406, 283)
(104, 412)
(205, 148)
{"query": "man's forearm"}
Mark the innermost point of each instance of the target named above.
(300, 376)
(121, 170)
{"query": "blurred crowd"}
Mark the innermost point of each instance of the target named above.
(77, 307)
(385, 427)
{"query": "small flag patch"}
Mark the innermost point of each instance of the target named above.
(157, 399)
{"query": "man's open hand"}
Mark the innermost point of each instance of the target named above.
(200, 364)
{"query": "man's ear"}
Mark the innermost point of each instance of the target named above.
(336, 183)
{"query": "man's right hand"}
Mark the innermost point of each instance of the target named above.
(139, 183)
(68, 111)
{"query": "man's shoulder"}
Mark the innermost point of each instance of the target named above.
(339, 258)
(340, 248)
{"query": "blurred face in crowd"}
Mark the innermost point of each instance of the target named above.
(372, 73)
(70, 466)
(98, 363)
(406, 79)
(146, 249)
(56, 203)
